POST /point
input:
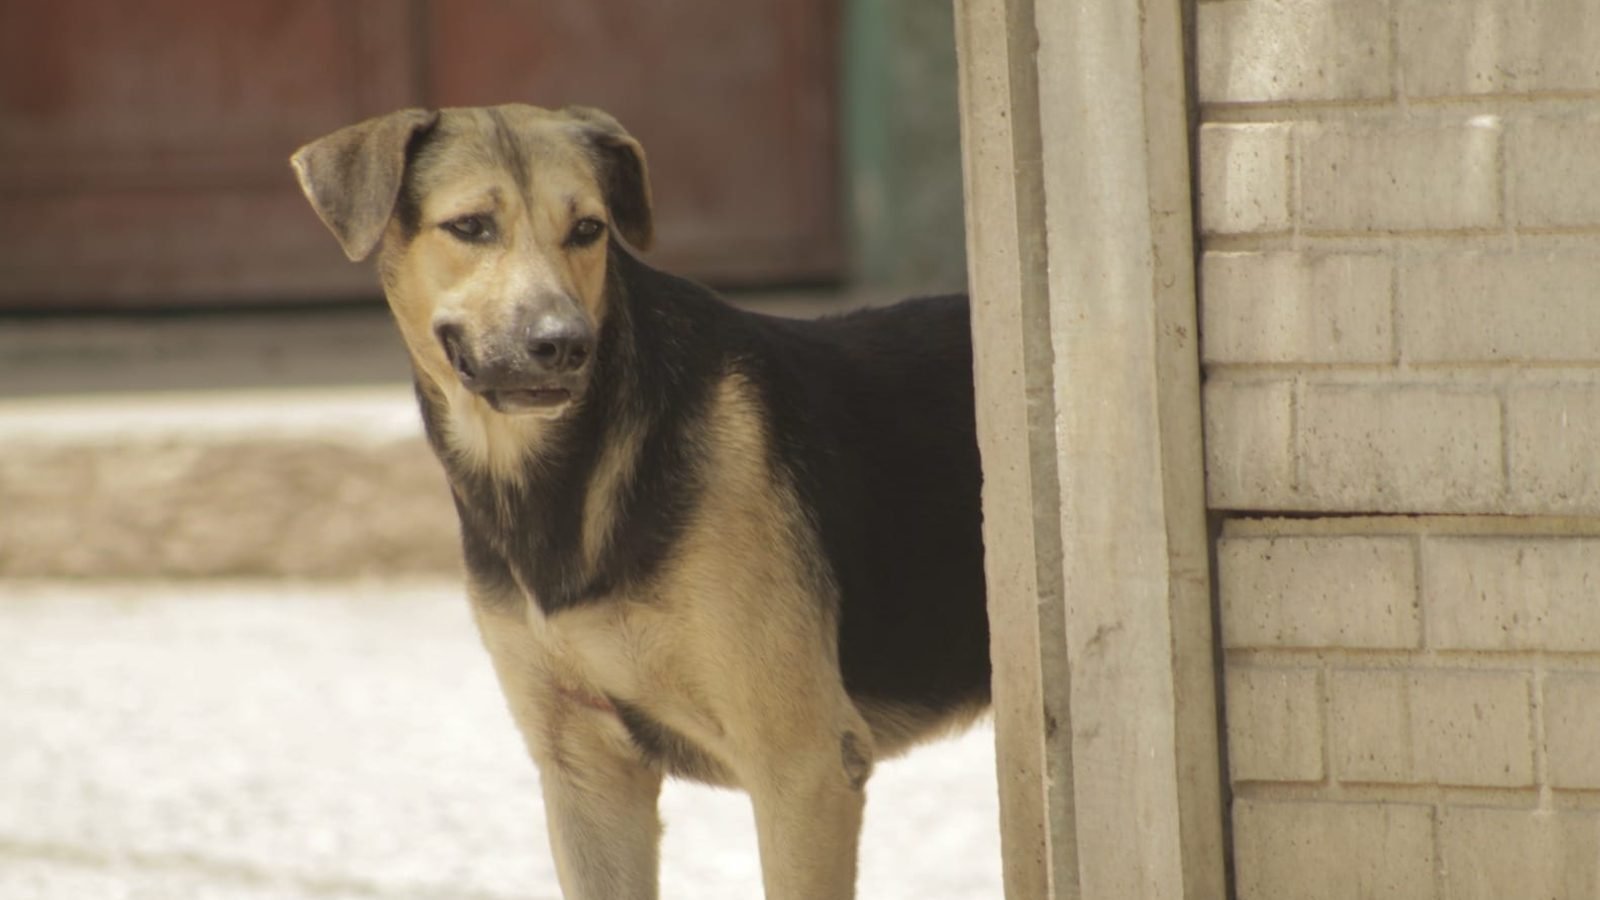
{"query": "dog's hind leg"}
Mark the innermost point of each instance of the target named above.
(600, 795)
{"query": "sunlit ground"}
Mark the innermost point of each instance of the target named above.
(269, 740)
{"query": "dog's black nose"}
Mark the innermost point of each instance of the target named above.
(560, 345)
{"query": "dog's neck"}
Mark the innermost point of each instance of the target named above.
(582, 503)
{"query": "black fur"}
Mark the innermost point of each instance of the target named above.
(485, 564)
(408, 205)
(622, 179)
(871, 415)
(874, 417)
(510, 150)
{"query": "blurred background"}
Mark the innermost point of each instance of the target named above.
(234, 656)
(792, 142)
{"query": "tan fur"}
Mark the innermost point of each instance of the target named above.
(616, 465)
(747, 679)
(732, 645)
(434, 278)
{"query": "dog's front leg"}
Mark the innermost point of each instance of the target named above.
(804, 755)
(600, 796)
(808, 821)
(601, 805)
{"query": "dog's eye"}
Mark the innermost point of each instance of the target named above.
(474, 228)
(585, 232)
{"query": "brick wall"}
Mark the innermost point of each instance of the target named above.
(1400, 302)
(1413, 706)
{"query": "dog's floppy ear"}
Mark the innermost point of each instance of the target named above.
(623, 175)
(352, 177)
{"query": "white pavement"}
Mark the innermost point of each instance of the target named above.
(281, 740)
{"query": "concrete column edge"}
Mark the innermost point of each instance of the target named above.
(1093, 440)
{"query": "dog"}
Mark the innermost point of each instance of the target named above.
(698, 541)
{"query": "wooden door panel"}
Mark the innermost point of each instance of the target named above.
(175, 90)
(160, 246)
(733, 101)
(143, 146)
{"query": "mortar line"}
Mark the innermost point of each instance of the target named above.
(1419, 599)
(1397, 349)
(1541, 749)
(1503, 407)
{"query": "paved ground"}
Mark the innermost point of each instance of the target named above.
(256, 740)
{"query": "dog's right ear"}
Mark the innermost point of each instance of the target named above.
(352, 177)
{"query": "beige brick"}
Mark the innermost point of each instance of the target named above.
(1249, 462)
(1572, 729)
(1535, 304)
(1270, 50)
(1370, 722)
(1494, 46)
(1495, 854)
(1484, 593)
(1318, 592)
(1472, 728)
(1274, 724)
(1552, 169)
(1297, 307)
(1331, 851)
(1554, 432)
(1396, 175)
(1448, 727)
(1400, 448)
(1244, 178)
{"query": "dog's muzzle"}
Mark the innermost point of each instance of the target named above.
(539, 366)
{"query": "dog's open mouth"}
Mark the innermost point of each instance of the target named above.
(527, 399)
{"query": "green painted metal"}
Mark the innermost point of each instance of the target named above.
(902, 145)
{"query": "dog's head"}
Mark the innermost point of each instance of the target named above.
(495, 225)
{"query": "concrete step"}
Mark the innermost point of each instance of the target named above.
(312, 482)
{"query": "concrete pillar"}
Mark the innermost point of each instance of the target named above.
(1080, 253)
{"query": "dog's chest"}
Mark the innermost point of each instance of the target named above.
(608, 647)
(613, 649)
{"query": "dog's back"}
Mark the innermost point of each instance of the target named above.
(872, 413)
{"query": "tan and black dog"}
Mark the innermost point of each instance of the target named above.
(699, 541)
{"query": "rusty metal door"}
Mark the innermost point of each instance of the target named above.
(143, 146)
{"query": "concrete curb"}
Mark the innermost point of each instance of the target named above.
(309, 482)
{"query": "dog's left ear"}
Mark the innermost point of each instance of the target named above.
(352, 177)
(623, 174)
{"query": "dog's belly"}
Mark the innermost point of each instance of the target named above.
(610, 660)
